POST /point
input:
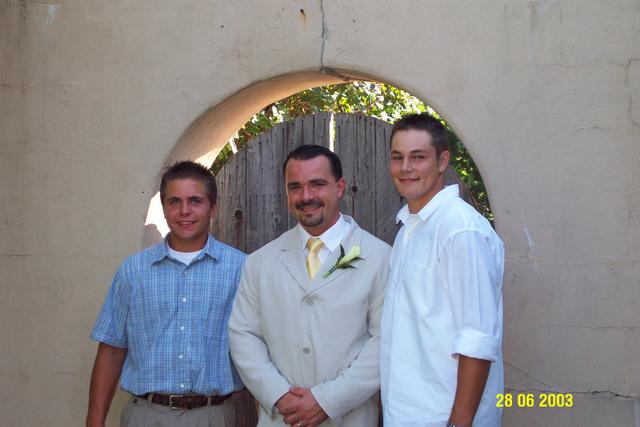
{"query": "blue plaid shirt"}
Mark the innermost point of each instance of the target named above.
(173, 318)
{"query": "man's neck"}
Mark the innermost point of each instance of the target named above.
(182, 246)
(315, 232)
(417, 205)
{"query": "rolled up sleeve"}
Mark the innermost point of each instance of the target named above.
(471, 263)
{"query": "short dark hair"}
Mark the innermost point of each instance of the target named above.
(188, 169)
(308, 151)
(427, 123)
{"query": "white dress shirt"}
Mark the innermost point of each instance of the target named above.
(443, 299)
(331, 238)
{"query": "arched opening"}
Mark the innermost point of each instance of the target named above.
(209, 134)
(252, 207)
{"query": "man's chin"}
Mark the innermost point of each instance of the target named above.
(310, 222)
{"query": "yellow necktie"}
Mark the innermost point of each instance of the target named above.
(313, 260)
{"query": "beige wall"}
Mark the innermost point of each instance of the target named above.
(95, 96)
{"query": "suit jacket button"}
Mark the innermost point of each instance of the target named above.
(308, 302)
(306, 350)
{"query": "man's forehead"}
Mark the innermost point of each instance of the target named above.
(309, 169)
(300, 180)
(412, 143)
(186, 185)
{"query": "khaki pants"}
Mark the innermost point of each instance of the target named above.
(141, 413)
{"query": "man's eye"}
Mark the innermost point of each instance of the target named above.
(317, 184)
(419, 157)
(396, 158)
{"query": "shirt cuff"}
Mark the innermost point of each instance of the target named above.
(473, 343)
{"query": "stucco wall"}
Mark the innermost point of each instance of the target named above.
(95, 96)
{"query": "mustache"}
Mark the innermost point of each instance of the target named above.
(310, 203)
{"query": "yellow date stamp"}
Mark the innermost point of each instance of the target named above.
(534, 400)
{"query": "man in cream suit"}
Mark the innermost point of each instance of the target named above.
(304, 327)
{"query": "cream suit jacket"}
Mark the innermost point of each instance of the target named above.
(287, 330)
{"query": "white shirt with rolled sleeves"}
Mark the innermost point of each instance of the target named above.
(443, 299)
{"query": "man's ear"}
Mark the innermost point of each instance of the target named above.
(341, 186)
(443, 162)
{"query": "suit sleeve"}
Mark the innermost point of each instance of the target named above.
(248, 348)
(361, 379)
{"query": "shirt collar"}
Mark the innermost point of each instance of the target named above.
(330, 238)
(211, 248)
(446, 193)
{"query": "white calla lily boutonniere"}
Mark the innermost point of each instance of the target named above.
(345, 261)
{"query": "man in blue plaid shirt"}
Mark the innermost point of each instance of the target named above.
(163, 326)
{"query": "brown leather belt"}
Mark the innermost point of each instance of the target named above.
(184, 401)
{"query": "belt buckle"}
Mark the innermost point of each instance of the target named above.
(171, 397)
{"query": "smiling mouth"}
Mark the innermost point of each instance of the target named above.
(309, 209)
(309, 206)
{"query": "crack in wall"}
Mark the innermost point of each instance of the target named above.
(323, 34)
(630, 91)
(569, 325)
(533, 377)
(598, 394)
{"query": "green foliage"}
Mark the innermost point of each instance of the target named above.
(379, 100)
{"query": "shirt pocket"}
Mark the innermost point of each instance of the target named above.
(149, 314)
(417, 281)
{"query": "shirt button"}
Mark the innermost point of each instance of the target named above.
(181, 385)
(306, 350)
(182, 328)
(180, 356)
(184, 300)
(308, 302)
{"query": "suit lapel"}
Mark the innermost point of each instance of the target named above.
(352, 239)
(293, 260)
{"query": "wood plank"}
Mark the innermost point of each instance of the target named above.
(246, 410)
(355, 144)
(254, 194)
(280, 212)
(364, 185)
(345, 133)
(229, 225)
(387, 201)
(322, 129)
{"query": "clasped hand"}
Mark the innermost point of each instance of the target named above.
(300, 409)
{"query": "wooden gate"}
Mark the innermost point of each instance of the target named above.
(252, 204)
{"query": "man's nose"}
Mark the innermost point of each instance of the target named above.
(307, 193)
(406, 165)
(185, 208)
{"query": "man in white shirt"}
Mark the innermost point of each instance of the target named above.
(441, 330)
(304, 329)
